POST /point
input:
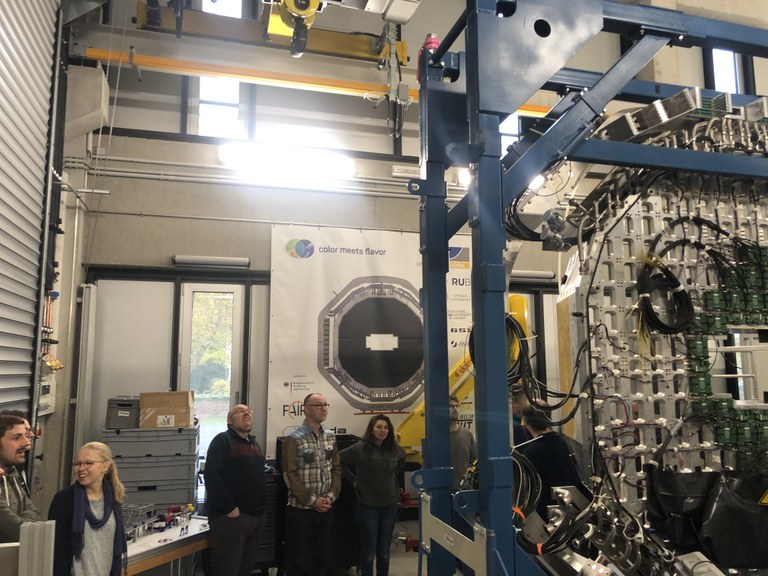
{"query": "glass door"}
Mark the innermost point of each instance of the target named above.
(211, 357)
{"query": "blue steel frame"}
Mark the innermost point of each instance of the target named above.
(506, 61)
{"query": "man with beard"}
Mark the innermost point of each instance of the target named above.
(15, 506)
(235, 486)
(31, 435)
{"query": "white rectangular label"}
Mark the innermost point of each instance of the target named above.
(166, 421)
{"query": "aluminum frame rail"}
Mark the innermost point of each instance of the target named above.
(36, 548)
(463, 96)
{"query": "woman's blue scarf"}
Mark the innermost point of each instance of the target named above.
(83, 512)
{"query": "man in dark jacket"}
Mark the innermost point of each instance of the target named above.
(15, 506)
(31, 435)
(551, 456)
(235, 486)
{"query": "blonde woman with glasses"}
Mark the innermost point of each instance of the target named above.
(90, 535)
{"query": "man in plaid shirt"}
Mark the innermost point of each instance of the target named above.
(311, 469)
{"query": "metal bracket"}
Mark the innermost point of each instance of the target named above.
(429, 478)
(470, 552)
(466, 502)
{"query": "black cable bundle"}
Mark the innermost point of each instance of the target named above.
(526, 484)
(515, 227)
(680, 308)
(664, 280)
(528, 489)
(518, 367)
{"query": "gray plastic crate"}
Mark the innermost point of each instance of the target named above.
(122, 412)
(150, 468)
(152, 442)
(161, 493)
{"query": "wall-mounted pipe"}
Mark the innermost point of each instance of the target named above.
(360, 186)
(165, 215)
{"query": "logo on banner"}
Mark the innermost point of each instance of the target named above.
(458, 257)
(294, 410)
(301, 249)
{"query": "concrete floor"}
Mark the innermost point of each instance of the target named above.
(402, 562)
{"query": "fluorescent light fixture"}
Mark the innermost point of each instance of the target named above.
(534, 275)
(405, 171)
(211, 261)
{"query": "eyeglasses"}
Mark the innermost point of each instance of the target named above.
(319, 405)
(87, 464)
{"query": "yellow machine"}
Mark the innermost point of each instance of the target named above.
(461, 382)
(293, 18)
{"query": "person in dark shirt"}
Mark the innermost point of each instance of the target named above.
(463, 444)
(550, 455)
(236, 496)
(520, 402)
(374, 464)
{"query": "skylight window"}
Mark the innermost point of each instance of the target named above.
(219, 113)
(726, 71)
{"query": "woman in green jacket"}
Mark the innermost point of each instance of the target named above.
(375, 463)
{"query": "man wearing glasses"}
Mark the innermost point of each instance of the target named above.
(15, 506)
(311, 469)
(235, 488)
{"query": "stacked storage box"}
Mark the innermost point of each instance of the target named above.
(122, 412)
(157, 466)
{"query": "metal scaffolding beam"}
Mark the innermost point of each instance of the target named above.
(462, 98)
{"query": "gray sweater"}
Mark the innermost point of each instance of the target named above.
(15, 506)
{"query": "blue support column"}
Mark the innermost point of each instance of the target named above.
(489, 282)
(491, 397)
(436, 475)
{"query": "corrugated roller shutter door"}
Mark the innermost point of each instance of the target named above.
(27, 34)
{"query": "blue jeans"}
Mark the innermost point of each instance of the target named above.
(376, 526)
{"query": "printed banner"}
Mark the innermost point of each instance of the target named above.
(346, 322)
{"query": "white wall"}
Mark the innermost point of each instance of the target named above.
(132, 352)
(259, 360)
